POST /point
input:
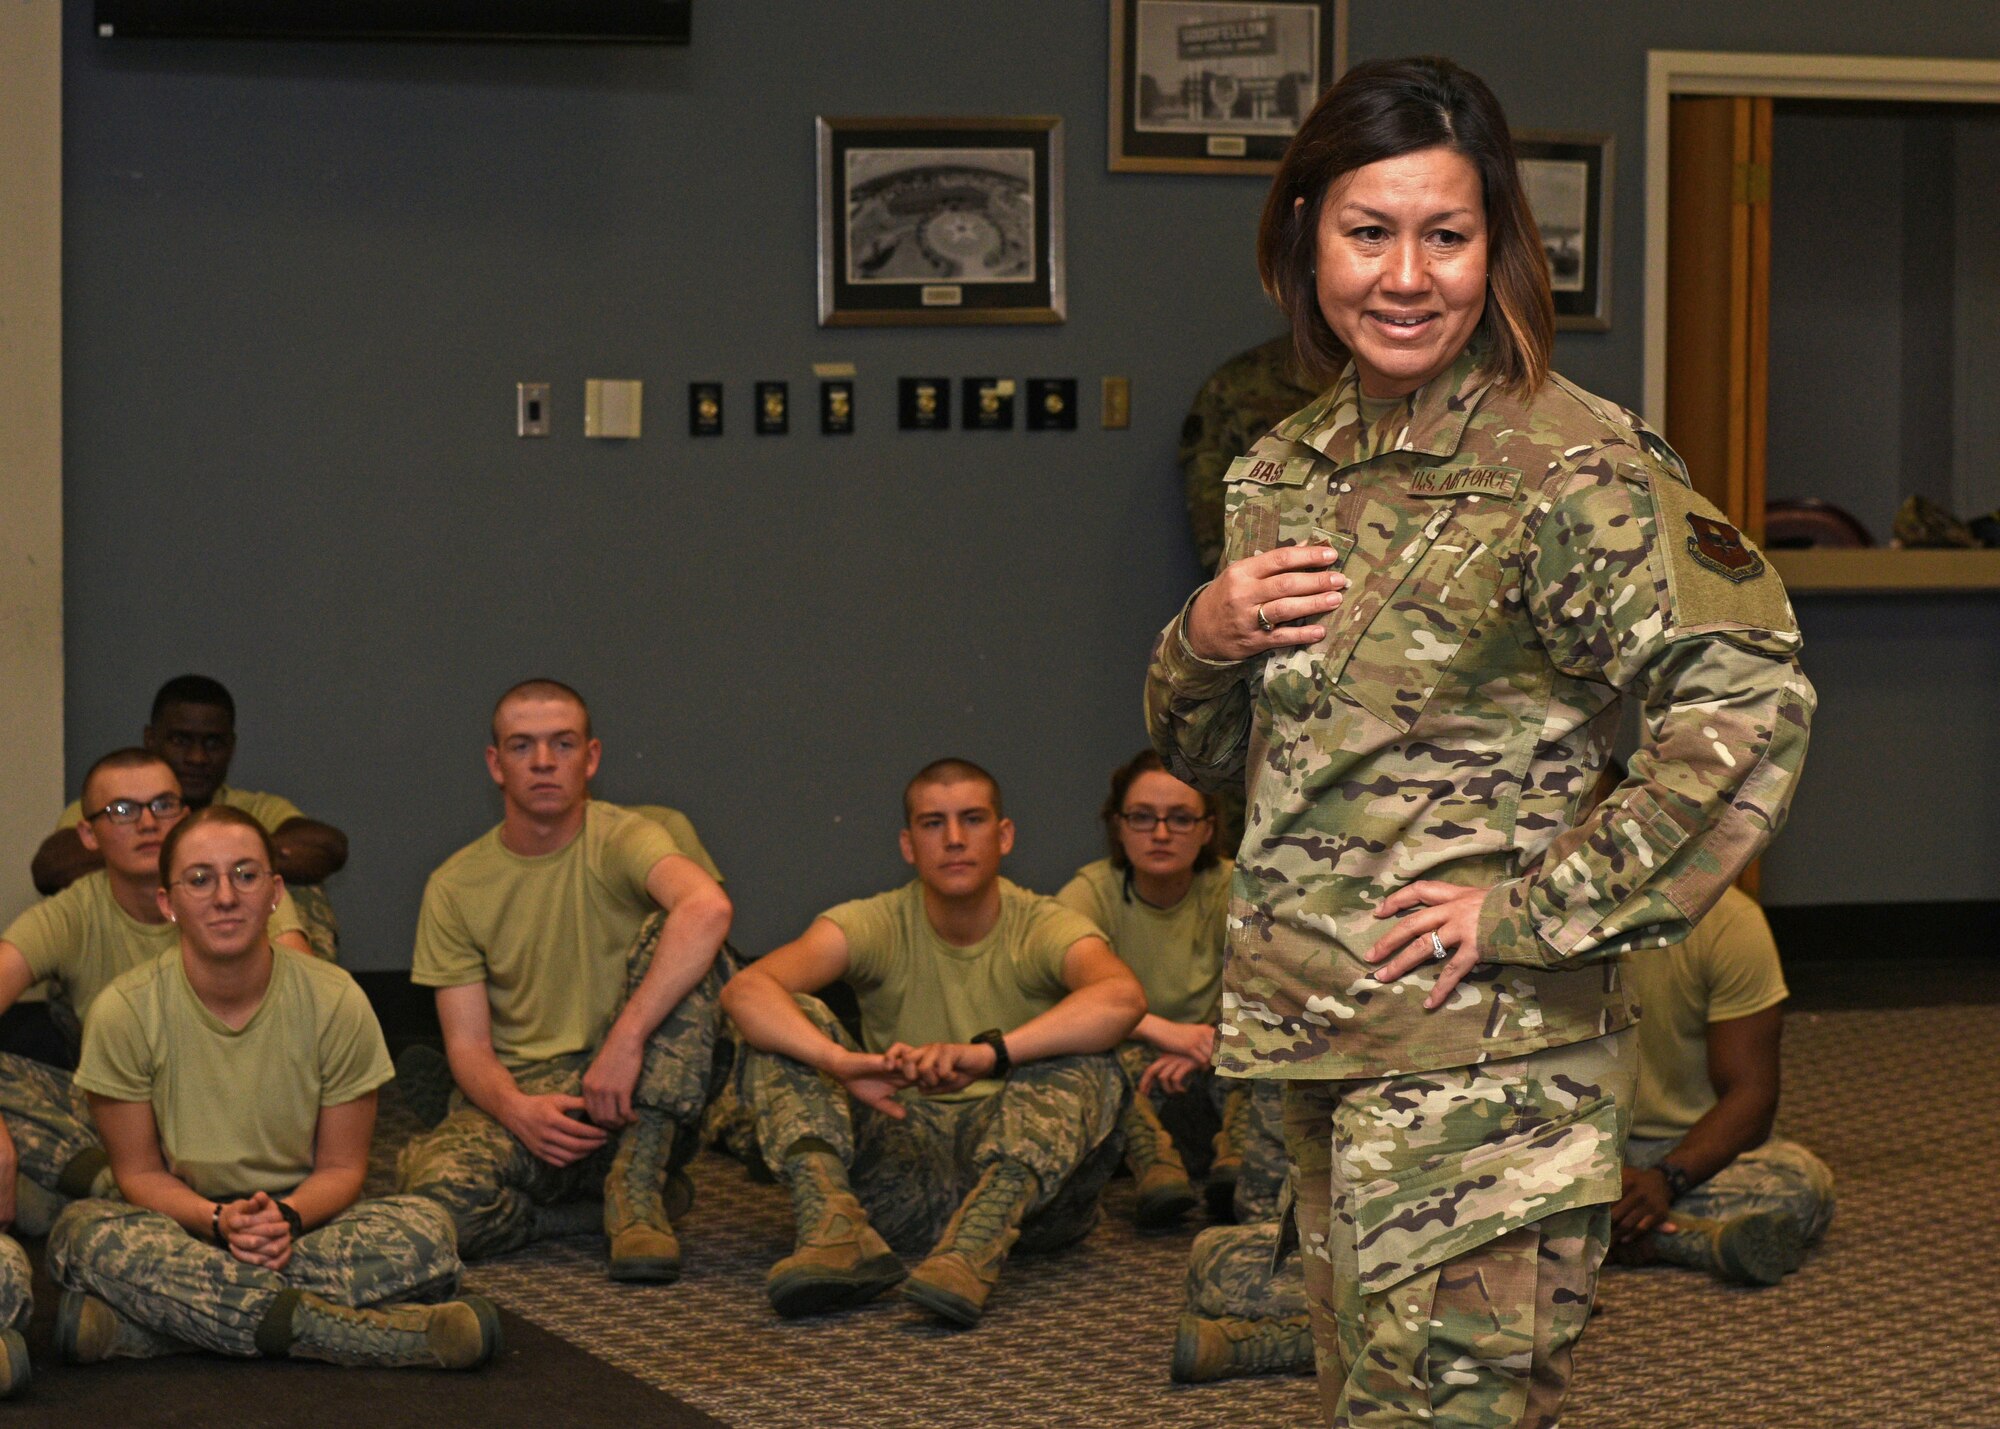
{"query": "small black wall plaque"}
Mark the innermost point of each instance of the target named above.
(1051, 404)
(704, 409)
(836, 408)
(923, 404)
(989, 404)
(774, 409)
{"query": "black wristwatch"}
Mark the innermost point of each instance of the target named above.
(996, 1039)
(1678, 1181)
(292, 1217)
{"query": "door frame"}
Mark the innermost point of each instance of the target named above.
(1672, 72)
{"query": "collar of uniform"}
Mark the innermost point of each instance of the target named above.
(1430, 420)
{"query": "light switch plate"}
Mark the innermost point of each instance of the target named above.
(531, 409)
(1117, 402)
(611, 408)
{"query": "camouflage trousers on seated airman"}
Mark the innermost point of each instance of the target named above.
(1451, 1225)
(322, 929)
(1777, 1176)
(190, 1293)
(1231, 1272)
(1058, 1116)
(492, 1183)
(1256, 1124)
(17, 1280)
(48, 1118)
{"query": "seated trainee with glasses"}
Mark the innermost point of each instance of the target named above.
(1162, 898)
(193, 728)
(94, 931)
(235, 1084)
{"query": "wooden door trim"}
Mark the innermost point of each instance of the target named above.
(1779, 76)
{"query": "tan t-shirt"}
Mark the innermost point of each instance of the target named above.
(80, 941)
(915, 987)
(237, 1109)
(549, 935)
(1177, 951)
(270, 810)
(681, 829)
(1726, 968)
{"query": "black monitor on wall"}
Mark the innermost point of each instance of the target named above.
(629, 21)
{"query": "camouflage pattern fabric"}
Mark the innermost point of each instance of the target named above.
(1518, 568)
(1451, 1225)
(17, 1282)
(322, 929)
(1777, 1176)
(1059, 1117)
(492, 1183)
(1231, 1271)
(1260, 1138)
(1240, 402)
(152, 1272)
(48, 1118)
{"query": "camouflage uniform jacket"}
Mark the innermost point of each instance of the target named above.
(1516, 568)
(1240, 402)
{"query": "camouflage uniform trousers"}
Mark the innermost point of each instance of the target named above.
(1451, 1225)
(48, 1118)
(1058, 1116)
(17, 1280)
(190, 1293)
(1777, 1176)
(1233, 1270)
(492, 1183)
(1259, 1137)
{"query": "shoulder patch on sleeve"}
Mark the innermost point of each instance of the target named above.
(1715, 575)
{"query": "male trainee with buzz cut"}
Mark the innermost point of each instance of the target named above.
(192, 728)
(573, 950)
(985, 1107)
(77, 943)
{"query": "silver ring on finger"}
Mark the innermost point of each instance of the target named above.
(1264, 622)
(1438, 950)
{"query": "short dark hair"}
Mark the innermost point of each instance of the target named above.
(1378, 111)
(225, 814)
(193, 690)
(1147, 761)
(130, 757)
(951, 771)
(539, 688)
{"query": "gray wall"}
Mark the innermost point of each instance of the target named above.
(302, 281)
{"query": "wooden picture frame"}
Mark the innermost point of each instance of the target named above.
(1217, 86)
(940, 220)
(1567, 178)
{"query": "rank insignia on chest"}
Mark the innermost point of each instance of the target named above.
(1719, 547)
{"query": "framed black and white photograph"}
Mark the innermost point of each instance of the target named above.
(940, 220)
(1217, 86)
(1568, 182)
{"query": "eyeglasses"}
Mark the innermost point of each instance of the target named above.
(127, 811)
(1144, 821)
(201, 881)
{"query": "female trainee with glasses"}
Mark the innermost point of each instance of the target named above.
(1161, 898)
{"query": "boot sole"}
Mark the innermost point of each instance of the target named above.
(1187, 1353)
(19, 1368)
(1760, 1250)
(943, 1303)
(810, 1292)
(645, 1270)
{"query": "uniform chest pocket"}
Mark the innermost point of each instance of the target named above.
(1415, 614)
(1270, 502)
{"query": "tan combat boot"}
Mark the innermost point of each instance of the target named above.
(1230, 1346)
(458, 1334)
(1219, 1190)
(643, 1244)
(965, 1264)
(1758, 1249)
(1165, 1193)
(840, 1260)
(89, 1331)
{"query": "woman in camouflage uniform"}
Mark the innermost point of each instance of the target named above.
(1443, 580)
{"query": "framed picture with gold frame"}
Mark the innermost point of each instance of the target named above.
(940, 220)
(1567, 178)
(1217, 86)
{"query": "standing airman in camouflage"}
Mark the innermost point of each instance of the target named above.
(235, 1086)
(984, 1110)
(1442, 579)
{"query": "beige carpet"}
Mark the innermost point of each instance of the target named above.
(1891, 1323)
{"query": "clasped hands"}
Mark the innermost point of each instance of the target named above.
(1244, 610)
(256, 1231)
(874, 1078)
